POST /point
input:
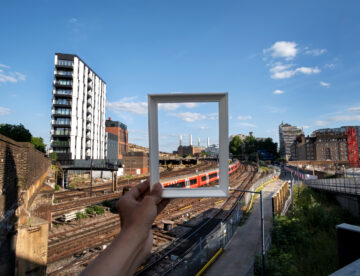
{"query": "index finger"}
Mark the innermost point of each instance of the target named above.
(139, 189)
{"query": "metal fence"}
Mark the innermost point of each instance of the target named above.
(204, 249)
(349, 186)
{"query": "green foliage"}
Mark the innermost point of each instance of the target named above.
(53, 156)
(96, 209)
(236, 146)
(57, 187)
(80, 215)
(72, 185)
(305, 244)
(250, 146)
(38, 143)
(16, 132)
(54, 201)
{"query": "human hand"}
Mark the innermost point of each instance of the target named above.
(138, 210)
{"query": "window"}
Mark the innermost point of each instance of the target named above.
(62, 131)
(193, 181)
(62, 121)
(63, 101)
(64, 62)
(213, 175)
(64, 82)
(63, 91)
(63, 111)
(64, 73)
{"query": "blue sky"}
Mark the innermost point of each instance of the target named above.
(279, 61)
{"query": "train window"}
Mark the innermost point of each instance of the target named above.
(180, 184)
(193, 181)
(203, 178)
(213, 175)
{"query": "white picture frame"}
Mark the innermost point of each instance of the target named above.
(222, 99)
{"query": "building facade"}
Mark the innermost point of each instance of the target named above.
(287, 136)
(136, 163)
(303, 148)
(78, 110)
(120, 130)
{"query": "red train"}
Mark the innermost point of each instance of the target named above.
(200, 179)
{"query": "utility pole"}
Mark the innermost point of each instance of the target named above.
(262, 234)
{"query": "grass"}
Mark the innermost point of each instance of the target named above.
(305, 243)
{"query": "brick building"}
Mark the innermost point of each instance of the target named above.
(120, 133)
(189, 150)
(136, 163)
(303, 148)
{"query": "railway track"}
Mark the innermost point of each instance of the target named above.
(99, 233)
(64, 196)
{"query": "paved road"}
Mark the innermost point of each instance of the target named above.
(238, 256)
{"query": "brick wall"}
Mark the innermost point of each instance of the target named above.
(22, 170)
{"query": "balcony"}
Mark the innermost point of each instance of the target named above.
(61, 103)
(89, 94)
(88, 136)
(89, 103)
(64, 74)
(90, 86)
(88, 119)
(64, 64)
(57, 114)
(63, 83)
(88, 111)
(60, 144)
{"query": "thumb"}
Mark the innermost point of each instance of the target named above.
(156, 192)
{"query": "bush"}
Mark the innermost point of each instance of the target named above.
(57, 187)
(90, 211)
(80, 215)
(98, 209)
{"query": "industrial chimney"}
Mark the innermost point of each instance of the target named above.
(180, 140)
(199, 142)
(190, 139)
(208, 142)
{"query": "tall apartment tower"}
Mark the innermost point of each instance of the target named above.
(287, 136)
(78, 110)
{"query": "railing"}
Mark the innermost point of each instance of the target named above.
(60, 143)
(349, 186)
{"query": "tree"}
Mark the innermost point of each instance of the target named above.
(16, 132)
(38, 143)
(236, 146)
(250, 145)
(53, 156)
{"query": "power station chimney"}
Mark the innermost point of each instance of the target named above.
(180, 140)
(190, 139)
(199, 142)
(208, 142)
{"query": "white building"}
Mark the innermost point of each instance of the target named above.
(78, 110)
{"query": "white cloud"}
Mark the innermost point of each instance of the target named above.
(330, 65)
(321, 123)
(283, 49)
(315, 52)
(346, 118)
(247, 124)
(173, 106)
(243, 118)
(4, 111)
(354, 109)
(204, 127)
(325, 84)
(127, 105)
(212, 116)
(9, 76)
(189, 117)
(284, 71)
(278, 92)
(305, 127)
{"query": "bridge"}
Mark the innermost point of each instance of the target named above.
(346, 186)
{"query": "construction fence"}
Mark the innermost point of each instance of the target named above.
(207, 248)
(280, 199)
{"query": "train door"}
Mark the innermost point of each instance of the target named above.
(187, 183)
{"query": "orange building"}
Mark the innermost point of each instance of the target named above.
(120, 130)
